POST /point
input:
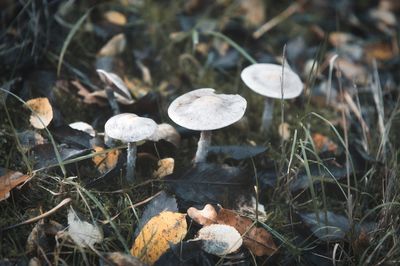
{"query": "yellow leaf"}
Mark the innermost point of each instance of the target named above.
(155, 237)
(105, 161)
(43, 112)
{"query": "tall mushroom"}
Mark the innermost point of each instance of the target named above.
(204, 110)
(266, 79)
(130, 128)
(114, 84)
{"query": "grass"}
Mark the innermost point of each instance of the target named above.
(371, 196)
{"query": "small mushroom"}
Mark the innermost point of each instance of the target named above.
(266, 79)
(130, 128)
(114, 85)
(205, 110)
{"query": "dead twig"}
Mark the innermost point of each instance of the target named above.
(293, 8)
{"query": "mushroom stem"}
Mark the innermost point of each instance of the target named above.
(266, 119)
(202, 146)
(131, 162)
(112, 101)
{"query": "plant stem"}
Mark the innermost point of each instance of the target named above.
(131, 162)
(202, 147)
(112, 101)
(266, 119)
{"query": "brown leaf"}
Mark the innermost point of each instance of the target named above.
(256, 239)
(121, 259)
(206, 216)
(379, 51)
(10, 180)
(87, 95)
(323, 143)
(42, 112)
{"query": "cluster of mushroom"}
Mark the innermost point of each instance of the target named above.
(204, 110)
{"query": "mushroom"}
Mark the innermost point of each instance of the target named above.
(266, 79)
(204, 110)
(114, 85)
(130, 128)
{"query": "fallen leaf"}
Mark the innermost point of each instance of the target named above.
(219, 239)
(323, 143)
(106, 161)
(379, 51)
(258, 240)
(88, 96)
(206, 216)
(163, 202)
(114, 46)
(115, 17)
(121, 259)
(165, 167)
(8, 180)
(237, 152)
(83, 233)
(185, 254)
(83, 126)
(42, 112)
(210, 183)
(42, 236)
(153, 240)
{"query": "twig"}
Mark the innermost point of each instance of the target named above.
(293, 8)
(42, 216)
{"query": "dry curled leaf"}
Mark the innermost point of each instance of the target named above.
(219, 239)
(83, 233)
(8, 180)
(256, 239)
(42, 112)
(206, 216)
(155, 237)
(165, 167)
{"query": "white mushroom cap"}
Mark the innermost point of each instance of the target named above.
(266, 79)
(129, 127)
(111, 78)
(203, 109)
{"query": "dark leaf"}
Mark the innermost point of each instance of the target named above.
(238, 152)
(210, 183)
(72, 137)
(44, 156)
(319, 171)
(186, 253)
